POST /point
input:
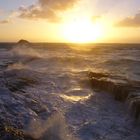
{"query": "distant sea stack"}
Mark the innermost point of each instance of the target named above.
(23, 42)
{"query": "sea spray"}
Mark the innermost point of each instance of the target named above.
(54, 128)
(24, 51)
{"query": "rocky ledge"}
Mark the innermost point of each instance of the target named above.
(122, 90)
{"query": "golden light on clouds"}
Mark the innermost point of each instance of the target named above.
(78, 21)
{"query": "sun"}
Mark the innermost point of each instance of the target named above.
(82, 31)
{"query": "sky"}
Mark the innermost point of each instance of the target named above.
(106, 21)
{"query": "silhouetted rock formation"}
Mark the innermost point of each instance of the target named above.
(23, 42)
(122, 90)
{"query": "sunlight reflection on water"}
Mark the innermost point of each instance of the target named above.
(81, 47)
(77, 94)
(75, 98)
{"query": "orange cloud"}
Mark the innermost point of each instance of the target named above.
(5, 21)
(130, 21)
(46, 9)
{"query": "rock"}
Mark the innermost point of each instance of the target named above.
(135, 106)
(23, 42)
(122, 91)
(119, 90)
(97, 75)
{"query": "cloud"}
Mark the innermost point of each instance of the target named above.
(130, 21)
(46, 9)
(7, 16)
(5, 21)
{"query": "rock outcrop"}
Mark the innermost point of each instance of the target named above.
(122, 90)
(23, 42)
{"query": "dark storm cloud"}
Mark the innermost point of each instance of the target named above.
(130, 21)
(46, 9)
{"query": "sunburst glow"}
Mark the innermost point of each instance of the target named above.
(82, 31)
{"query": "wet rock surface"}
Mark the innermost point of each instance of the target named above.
(122, 90)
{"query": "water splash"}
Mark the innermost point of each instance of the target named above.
(54, 128)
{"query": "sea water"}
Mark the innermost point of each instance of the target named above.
(47, 93)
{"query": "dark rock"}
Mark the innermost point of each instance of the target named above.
(135, 106)
(119, 91)
(122, 91)
(23, 42)
(97, 75)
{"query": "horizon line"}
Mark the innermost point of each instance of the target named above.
(74, 42)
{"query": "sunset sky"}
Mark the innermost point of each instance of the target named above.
(70, 20)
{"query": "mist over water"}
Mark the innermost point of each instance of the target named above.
(51, 83)
(116, 59)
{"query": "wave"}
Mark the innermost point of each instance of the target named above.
(22, 78)
(123, 62)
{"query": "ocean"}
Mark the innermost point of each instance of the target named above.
(66, 91)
